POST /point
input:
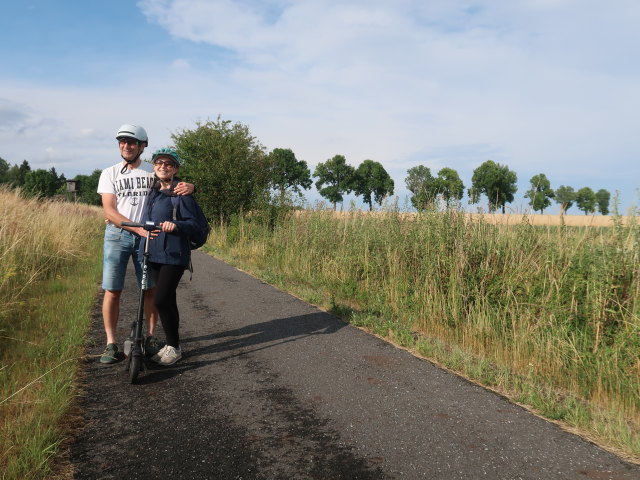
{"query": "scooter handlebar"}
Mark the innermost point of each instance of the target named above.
(149, 226)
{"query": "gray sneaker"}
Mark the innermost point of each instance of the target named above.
(152, 346)
(170, 356)
(110, 354)
(158, 356)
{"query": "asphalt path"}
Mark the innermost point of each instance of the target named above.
(270, 387)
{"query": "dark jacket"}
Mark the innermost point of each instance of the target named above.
(170, 248)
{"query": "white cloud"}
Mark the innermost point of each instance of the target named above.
(543, 84)
(180, 63)
(14, 116)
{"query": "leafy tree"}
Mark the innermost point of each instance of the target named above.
(422, 185)
(288, 173)
(17, 173)
(540, 193)
(372, 179)
(449, 185)
(228, 166)
(41, 182)
(602, 200)
(61, 180)
(496, 181)
(337, 176)
(586, 200)
(4, 168)
(88, 186)
(565, 196)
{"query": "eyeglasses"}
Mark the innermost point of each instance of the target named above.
(159, 163)
(128, 141)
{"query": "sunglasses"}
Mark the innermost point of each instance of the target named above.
(129, 141)
(166, 164)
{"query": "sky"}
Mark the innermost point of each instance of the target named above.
(541, 86)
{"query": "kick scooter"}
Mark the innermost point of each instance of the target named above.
(134, 346)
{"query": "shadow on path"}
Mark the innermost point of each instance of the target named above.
(237, 342)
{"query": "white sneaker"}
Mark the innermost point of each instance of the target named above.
(158, 356)
(170, 356)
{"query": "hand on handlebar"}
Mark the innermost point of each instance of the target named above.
(142, 228)
(168, 227)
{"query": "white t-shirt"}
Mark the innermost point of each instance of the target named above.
(131, 188)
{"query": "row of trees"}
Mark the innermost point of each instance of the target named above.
(427, 190)
(336, 178)
(498, 184)
(38, 182)
(47, 183)
(233, 172)
(540, 195)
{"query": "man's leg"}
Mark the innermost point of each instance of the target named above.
(117, 250)
(110, 313)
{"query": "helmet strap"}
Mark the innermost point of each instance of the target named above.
(129, 162)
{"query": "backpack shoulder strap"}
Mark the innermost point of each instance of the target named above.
(175, 201)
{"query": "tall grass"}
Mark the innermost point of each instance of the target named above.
(49, 265)
(546, 315)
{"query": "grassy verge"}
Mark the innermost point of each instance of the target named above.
(548, 316)
(50, 266)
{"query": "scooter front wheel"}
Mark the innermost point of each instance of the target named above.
(135, 367)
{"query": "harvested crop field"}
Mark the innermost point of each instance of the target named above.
(550, 220)
(511, 218)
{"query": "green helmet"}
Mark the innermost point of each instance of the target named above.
(166, 152)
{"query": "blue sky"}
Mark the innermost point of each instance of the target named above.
(542, 86)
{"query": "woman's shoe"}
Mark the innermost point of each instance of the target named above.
(170, 355)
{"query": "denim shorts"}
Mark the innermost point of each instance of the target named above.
(119, 246)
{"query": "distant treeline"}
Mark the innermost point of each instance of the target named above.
(234, 173)
(48, 183)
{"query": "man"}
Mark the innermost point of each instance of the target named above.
(124, 188)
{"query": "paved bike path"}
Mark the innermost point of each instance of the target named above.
(272, 388)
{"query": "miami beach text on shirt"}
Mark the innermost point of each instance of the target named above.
(125, 187)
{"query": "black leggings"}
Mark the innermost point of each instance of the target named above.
(167, 278)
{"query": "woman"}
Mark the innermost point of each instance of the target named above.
(169, 250)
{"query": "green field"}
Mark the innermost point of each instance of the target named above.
(49, 270)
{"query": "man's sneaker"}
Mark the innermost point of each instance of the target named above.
(158, 356)
(110, 354)
(152, 346)
(170, 356)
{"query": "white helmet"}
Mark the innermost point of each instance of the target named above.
(132, 131)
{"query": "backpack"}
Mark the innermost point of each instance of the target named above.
(199, 239)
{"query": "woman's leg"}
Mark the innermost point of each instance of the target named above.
(167, 279)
